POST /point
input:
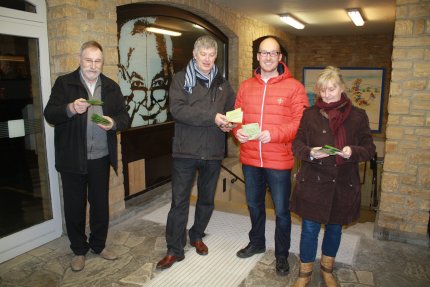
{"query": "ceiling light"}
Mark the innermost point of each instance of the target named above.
(198, 27)
(355, 16)
(163, 31)
(292, 21)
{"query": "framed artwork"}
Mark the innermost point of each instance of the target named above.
(155, 42)
(364, 86)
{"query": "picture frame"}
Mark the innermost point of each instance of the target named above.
(364, 86)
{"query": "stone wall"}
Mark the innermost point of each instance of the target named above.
(72, 22)
(405, 198)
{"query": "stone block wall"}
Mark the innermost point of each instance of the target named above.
(72, 22)
(405, 197)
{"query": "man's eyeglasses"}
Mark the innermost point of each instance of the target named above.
(90, 62)
(271, 53)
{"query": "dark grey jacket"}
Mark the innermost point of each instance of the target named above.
(71, 133)
(196, 135)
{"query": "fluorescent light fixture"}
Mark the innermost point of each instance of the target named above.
(355, 16)
(292, 21)
(198, 27)
(163, 31)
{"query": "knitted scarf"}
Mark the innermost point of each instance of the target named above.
(192, 72)
(336, 113)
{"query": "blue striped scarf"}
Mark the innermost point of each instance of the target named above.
(192, 72)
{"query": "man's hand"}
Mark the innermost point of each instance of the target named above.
(241, 136)
(79, 106)
(264, 137)
(107, 127)
(222, 122)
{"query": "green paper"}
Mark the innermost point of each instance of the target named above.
(251, 130)
(329, 150)
(94, 102)
(235, 116)
(100, 120)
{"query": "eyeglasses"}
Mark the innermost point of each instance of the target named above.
(271, 53)
(90, 62)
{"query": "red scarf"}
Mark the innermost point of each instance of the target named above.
(337, 113)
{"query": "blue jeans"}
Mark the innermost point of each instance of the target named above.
(256, 180)
(309, 240)
(183, 173)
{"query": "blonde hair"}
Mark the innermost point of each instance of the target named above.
(329, 74)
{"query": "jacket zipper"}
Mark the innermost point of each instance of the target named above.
(261, 123)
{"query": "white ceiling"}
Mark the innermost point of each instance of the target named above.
(322, 17)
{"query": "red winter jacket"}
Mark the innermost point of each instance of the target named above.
(277, 106)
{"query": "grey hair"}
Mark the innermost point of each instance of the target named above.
(206, 42)
(90, 44)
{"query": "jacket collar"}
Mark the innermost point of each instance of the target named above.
(76, 79)
(283, 72)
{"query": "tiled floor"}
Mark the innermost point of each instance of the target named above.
(141, 244)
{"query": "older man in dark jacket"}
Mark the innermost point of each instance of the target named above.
(85, 149)
(199, 98)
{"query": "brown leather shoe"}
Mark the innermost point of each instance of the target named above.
(168, 261)
(78, 263)
(108, 255)
(201, 248)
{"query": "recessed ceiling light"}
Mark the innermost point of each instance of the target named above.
(290, 20)
(355, 16)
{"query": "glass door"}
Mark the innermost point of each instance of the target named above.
(29, 198)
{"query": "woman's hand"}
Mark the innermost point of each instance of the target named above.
(316, 153)
(346, 152)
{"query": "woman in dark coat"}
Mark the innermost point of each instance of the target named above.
(327, 189)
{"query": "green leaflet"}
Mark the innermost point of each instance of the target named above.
(329, 150)
(99, 120)
(94, 102)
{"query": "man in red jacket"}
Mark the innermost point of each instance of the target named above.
(275, 101)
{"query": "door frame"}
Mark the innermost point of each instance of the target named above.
(34, 25)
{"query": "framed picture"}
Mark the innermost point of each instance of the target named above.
(154, 42)
(364, 86)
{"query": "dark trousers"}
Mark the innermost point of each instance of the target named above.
(77, 189)
(256, 180)
(183, 174)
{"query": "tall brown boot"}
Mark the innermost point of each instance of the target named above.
(327, 264)
(304, 274)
